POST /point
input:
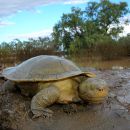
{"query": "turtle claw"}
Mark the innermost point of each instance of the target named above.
(70, 108)
(45, 113)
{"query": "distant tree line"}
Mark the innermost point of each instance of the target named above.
(17, 51)
(93, 31)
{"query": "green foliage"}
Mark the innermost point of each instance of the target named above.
(69, 28)
(107, 16)
(84, 28)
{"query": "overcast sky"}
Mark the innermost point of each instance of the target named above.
(33, 18)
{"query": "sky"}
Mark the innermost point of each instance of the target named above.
(25, 19)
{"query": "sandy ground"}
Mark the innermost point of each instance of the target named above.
(113, 114)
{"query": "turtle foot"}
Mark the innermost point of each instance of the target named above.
(70, 108)
(45, 113)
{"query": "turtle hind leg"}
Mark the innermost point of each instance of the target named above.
(43, 99)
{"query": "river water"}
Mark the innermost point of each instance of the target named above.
(103, 64)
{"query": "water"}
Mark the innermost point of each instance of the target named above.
(104, 64)
(95, 62)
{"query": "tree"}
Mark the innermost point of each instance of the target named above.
(107, 16)
(83, 28)
(70, 26)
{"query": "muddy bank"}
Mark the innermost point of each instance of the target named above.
(113, 114)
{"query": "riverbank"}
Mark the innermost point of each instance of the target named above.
(113, 114)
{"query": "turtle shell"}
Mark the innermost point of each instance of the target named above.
(42, 68)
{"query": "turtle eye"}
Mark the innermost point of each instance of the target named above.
(100, 89)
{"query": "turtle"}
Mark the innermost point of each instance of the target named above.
(52, 79)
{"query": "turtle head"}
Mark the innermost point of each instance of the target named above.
(93, 90)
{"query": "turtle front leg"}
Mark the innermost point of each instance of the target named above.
(43, 99)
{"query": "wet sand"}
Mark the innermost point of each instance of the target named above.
(113, 114)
